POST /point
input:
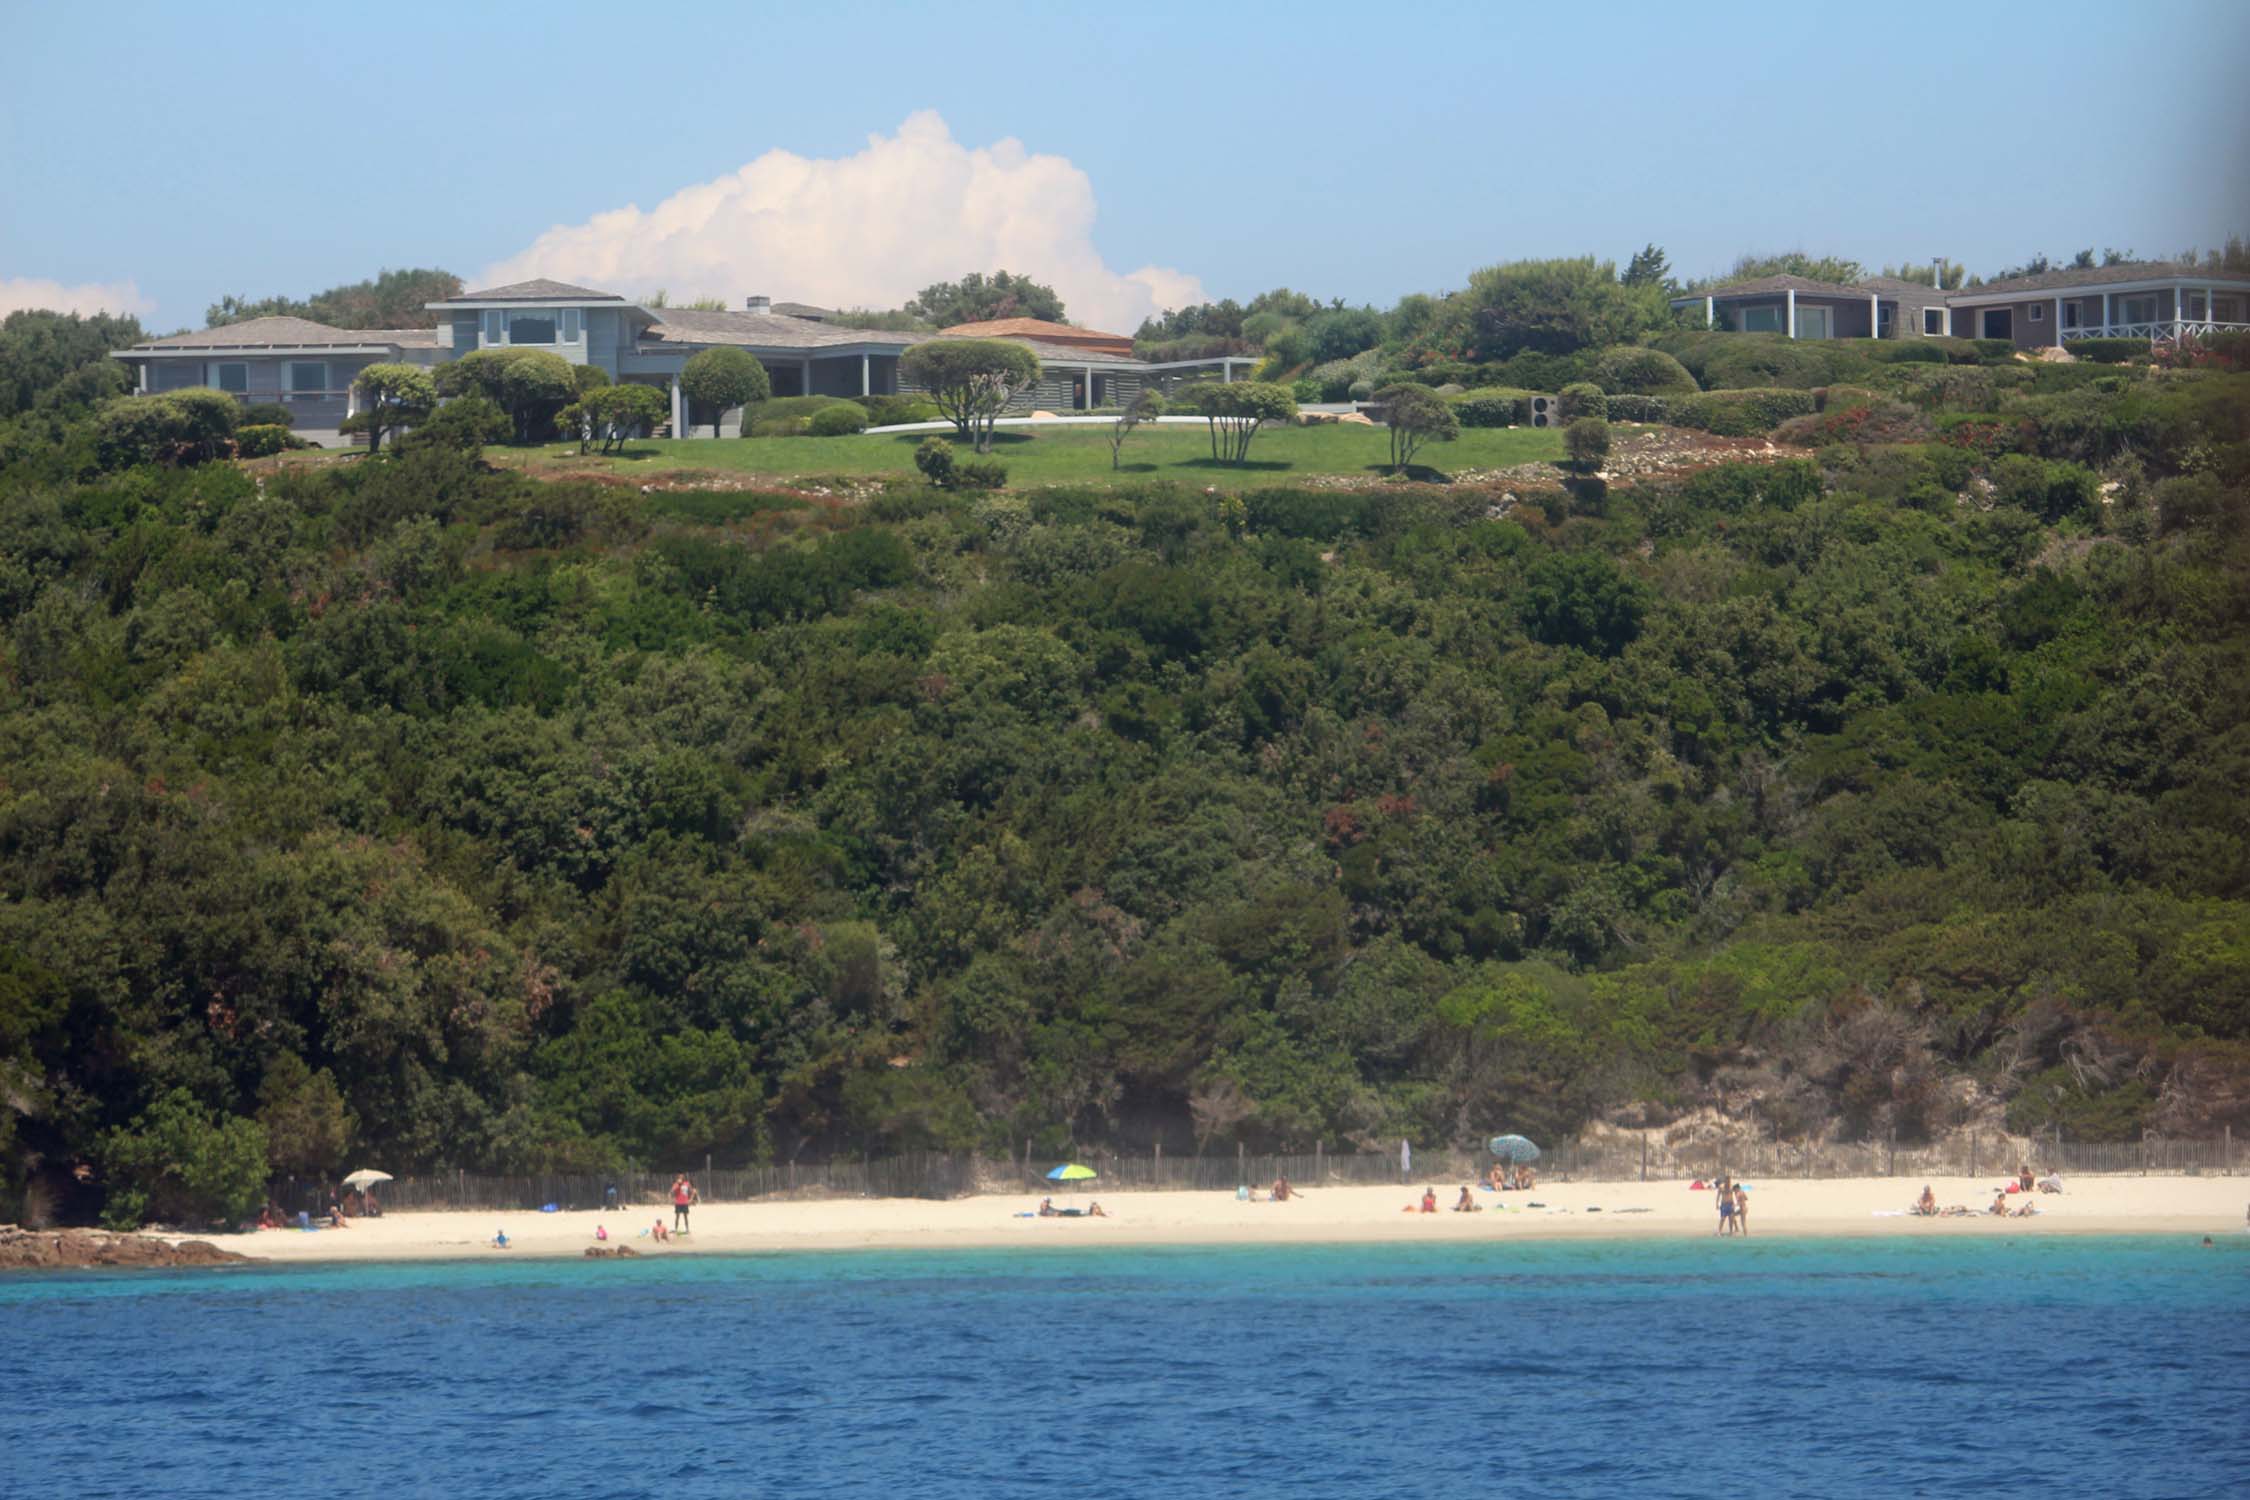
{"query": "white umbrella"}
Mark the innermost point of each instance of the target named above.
(366, 1177)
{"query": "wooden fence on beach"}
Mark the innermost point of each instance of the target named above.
(1614, 1159)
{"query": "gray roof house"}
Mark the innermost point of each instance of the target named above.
(2156, 300)
(311, 366)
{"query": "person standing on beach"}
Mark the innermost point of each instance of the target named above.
(683, 1199)
(1741, 1209)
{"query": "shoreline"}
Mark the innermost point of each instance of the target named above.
(1592, 1213)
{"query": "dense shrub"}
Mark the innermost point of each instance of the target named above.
(1587, 442)
(2051, 490)
(980, 474)
(789, 416)
(1638, 409)
(934, 457)
(1735, 488)
(1636, 371)
(1493, 406)
(2109, 351)
(1871, 419)
(1582, 399)
(466, 422)
(181, 1163)
(890, 411)
(267, 414)
(1995, 351)
(1911, 352)
(1741, 413)
(840, 420)
(1844, 395)
(179, 427)
(262, 439)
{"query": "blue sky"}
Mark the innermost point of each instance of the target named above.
(1356, 151)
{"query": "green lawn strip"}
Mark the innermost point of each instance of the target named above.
(1061, 455)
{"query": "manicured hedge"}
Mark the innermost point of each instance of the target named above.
(1912, 352)
(1994, 349)
(789, 416)
(1638, 409)
(1493, 406)
(1741, 413)
(840, 420)
(2109, 351)
(260, 439)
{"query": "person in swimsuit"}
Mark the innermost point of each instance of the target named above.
(1926, 1205)
(1429, 1200)
(1726, 1210)
(1741, 1210)
(1466, 1203)
(1282, 1189)
(683, 1199)
(1999, 1207)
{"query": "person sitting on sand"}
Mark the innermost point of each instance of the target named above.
(1527, 1178)
(2051, 1183)
(1094, 1211)
(1926, 1205)
(1466, 1203)
(1429, 1200)
(1498, 1179)
(2023, 1177)
(1282, 1190)
(2025, 1212)
(500, 1240)
(1047, 1209)
(659, 1233)
(1999, 1203)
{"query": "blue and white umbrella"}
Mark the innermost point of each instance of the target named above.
(1514, 1148)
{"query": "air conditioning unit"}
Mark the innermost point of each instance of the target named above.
(1546, 411)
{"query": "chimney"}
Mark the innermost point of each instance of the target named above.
(758, 304)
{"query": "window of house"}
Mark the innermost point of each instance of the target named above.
(1761, 320)
(231, 378)
(495, 326)
(531, 328)
(1815, 322)
(570, 327)
(2038, 312)
(1883, 311)
(2141, 309)
(2070, 315)
(1933, 321)
(307, 377)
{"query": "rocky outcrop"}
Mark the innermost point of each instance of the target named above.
(608, 1252)
(72, 1249)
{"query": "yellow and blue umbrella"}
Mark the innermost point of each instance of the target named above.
(1072, 1172)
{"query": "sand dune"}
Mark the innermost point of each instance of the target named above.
(1780, 1208)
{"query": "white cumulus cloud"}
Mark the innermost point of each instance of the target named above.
(865, 230)
(120, 297)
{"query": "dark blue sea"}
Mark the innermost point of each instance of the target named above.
(2041, 1366)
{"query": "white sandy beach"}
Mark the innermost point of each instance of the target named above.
(1779, 1208)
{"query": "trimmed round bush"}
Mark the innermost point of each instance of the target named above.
(1629, 370)
(1587, 442)
(934, 457)
(1582, 399)
(1638, 409)
(263, 439)
(838, 421)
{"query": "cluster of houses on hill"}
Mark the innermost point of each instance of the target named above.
(312, 368)
(806, 350)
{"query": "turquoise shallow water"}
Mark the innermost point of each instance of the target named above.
(2048, 1366)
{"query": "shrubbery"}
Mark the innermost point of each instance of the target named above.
(841, 420)
(790, 416)
(1587, 442)
(1638, 409)
(1582, 399)
(1635, 371)
(179, 427)
(181, 1163)
(1493, 406)
(1741, 413)
(2109, 351)
(263, 439)
(1912, 351)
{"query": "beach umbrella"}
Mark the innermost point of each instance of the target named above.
(366, 1177)
(1071, 1172)
(1514, 1148)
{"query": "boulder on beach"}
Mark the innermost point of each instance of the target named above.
(72, 1249)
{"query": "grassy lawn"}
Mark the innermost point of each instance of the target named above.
(1062, 455)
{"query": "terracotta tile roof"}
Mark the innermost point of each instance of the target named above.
(1029, 328)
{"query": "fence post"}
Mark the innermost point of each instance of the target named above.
(1890, 1153)
(1241, 1164)
(2226, 1162)
(1160, 1166)
(1972, 1153)
(1644, 1156)
(1319, 1161)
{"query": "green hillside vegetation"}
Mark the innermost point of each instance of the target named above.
(1056, 455)
(414, 810)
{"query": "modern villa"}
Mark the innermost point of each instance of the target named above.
(2144, 299)
(311, 367)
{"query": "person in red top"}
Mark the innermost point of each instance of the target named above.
(683, 1199)
(1429, 1200)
